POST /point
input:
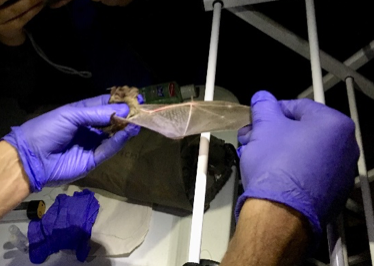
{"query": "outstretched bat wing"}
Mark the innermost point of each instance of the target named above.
(183, 119)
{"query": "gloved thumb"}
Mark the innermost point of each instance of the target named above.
(114, 144)
(264, 107)
(97, 115)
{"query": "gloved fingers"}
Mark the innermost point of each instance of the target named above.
(96, 116)
(140, 99)
(114, 144)
(244, 134)
(308, 110)
(265, 107)
(262, 96)
(302, 108)
(94, 101)
(239, 151)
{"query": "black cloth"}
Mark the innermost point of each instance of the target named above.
(154, 169)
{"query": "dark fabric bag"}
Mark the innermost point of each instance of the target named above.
(154, 169)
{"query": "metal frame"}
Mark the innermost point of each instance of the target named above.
(301, 46)
(338, 72)
(208, 4)
(356, 61)
(362, 171)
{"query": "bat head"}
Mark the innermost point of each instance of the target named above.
(122, 94)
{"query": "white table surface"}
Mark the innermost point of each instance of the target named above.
(167, 241)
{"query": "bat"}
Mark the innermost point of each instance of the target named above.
(179, 120)
(126, 95)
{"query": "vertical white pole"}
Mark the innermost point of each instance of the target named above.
(319, 95)
(338, 254)
(336, 239)
(213, 51)
(362, 171)
(202, 164)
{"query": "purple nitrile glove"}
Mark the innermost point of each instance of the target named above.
(66, 225)
(60, 146)
(299, 153)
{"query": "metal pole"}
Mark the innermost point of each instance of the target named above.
(315, 62)
(338, 254)
(202, 164)
(362, 171)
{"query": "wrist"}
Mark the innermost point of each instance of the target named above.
(14, 183)
(302, 203)
(268, 233)
(31, 165)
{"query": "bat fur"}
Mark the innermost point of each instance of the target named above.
(126, 95)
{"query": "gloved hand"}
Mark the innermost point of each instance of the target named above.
(299, 153)
(61, 146)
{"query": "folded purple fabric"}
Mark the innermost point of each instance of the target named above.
(66, 225)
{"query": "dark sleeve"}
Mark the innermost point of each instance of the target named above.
(18, 68)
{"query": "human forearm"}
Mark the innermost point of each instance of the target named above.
(14, 184)
(267, 233)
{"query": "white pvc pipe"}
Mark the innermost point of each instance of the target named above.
(337, 248)
(370, 178)
(319, 95)
(213, 51)
(202, 164)
(336, 241)
(362, 171)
